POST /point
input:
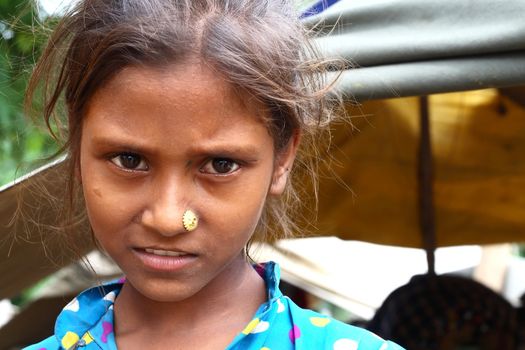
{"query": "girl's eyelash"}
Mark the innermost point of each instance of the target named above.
(220, 166)
(129, 161)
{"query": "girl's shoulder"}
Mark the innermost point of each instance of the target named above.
(81, 321)
(314, 330)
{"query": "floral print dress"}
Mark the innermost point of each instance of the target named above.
(86, 323)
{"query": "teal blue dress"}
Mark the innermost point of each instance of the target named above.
(86, 323)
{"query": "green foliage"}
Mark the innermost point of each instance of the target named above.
(21, 143)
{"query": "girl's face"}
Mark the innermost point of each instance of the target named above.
(156, 142)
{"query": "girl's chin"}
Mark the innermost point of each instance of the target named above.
(161, 292)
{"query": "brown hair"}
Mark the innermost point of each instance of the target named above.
(259, 46)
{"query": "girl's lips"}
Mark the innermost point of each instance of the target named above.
(164, 260)
(163, 252)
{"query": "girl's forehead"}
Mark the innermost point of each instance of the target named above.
(189, 76)
(181, 83)
(188, 102)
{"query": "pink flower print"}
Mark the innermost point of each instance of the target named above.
(294, 333)
(107, 329)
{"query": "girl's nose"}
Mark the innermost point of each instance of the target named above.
(164, 214)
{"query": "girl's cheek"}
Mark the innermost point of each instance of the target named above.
(245, 213)
(108, 207)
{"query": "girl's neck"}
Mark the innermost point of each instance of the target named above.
(223, 307)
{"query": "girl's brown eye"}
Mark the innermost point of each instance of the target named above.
(221, 166)
(129, 161)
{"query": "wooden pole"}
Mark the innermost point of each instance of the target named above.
(425, 186)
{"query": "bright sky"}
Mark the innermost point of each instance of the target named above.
(55, 6)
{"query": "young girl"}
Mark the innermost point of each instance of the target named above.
(183, 122)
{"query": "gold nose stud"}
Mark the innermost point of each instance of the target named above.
(190, 220)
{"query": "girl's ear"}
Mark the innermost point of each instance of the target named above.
(283, 164)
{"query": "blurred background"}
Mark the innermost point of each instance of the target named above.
(421, 219)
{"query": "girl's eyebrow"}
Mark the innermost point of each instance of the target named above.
(250, 151)
(227, 149)
(123, 145)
